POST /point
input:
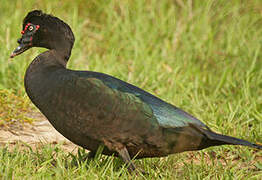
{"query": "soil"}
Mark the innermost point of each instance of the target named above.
(39, 132)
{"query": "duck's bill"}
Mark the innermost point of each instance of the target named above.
(20, 49)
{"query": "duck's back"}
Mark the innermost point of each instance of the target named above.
(167, 115)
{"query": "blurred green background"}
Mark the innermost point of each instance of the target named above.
(202, 56)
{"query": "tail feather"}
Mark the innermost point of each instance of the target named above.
(219, 139)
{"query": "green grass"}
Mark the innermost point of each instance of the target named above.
(14, 108)
(204, 57)
(51, 162)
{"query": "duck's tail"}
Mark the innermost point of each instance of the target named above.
(214, 139)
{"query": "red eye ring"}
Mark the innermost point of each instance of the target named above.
(28, 24)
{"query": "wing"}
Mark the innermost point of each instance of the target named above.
(124, 117)
(167, 115)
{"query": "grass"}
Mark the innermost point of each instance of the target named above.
(202, 56)
(13, 108)
(51, 162)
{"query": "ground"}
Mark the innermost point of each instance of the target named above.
(33, 134)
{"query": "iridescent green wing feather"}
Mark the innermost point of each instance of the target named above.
(167, 115)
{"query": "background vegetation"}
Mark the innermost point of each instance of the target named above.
(202, 56)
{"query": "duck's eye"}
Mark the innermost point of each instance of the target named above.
(30, 28)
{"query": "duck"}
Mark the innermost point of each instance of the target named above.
(94, 109)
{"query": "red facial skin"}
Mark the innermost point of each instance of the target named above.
(28, 24)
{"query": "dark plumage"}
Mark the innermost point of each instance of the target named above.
(91, 108)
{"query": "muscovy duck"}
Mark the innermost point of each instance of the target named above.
(92, 109)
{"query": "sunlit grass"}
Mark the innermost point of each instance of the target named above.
(50, 161)
(202, 56)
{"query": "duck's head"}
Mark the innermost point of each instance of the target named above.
(43, 30)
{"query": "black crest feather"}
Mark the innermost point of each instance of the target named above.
(32, 14)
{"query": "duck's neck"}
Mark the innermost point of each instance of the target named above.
(59, 52)
(62, 52)
(56, 57)
(53, 57)
(45, 63)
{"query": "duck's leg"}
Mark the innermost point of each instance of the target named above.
(123, 153)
